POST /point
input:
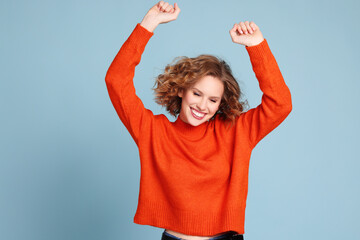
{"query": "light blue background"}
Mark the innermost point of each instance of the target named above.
(70, 170)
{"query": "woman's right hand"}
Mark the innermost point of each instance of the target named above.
(162, 12)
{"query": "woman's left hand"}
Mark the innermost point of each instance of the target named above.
(246, 33)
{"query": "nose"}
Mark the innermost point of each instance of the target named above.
(202, 104)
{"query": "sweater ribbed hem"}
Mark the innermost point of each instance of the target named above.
(197, 223)
(260, 51)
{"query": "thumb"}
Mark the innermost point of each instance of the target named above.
(176, 9)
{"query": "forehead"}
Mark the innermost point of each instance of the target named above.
(210, 86)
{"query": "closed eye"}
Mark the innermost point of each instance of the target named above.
(197, 94)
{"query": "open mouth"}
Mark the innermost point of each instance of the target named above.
(196, 114)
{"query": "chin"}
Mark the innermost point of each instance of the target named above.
(196, 122)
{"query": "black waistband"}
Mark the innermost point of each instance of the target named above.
(230, 236)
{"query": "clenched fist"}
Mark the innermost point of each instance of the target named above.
(162, 12)
(246, 33)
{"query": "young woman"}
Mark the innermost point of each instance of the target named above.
(194, 171)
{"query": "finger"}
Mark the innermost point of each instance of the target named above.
(168, 8)
(160, 4)
(243, 27)
(236, 30)
(253, 26)
(239, 30)
(233, 29)
(164, 6)
(247, 24)
(177, 9)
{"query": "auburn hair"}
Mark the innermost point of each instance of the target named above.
(184, 72)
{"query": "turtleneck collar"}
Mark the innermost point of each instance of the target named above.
(190, 131)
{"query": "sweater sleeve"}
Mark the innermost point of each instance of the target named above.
(119, 82)
(276, 102)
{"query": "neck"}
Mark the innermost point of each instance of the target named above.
(189, 131)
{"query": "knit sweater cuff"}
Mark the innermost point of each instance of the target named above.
(259, 51)
(141, 34)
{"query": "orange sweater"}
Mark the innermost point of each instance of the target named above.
(194, 180)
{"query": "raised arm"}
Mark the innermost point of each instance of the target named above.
(276, 99)
(119, 77)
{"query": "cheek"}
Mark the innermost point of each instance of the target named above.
(218, 106)
(215, 108)
(189, 99)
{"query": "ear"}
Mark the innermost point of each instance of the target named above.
(180, 93)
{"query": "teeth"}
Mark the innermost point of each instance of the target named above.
(197, 113)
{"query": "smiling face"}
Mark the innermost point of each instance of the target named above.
(200, 102)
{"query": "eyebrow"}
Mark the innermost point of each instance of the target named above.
(202, 93)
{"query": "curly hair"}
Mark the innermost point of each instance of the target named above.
(184, 72)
